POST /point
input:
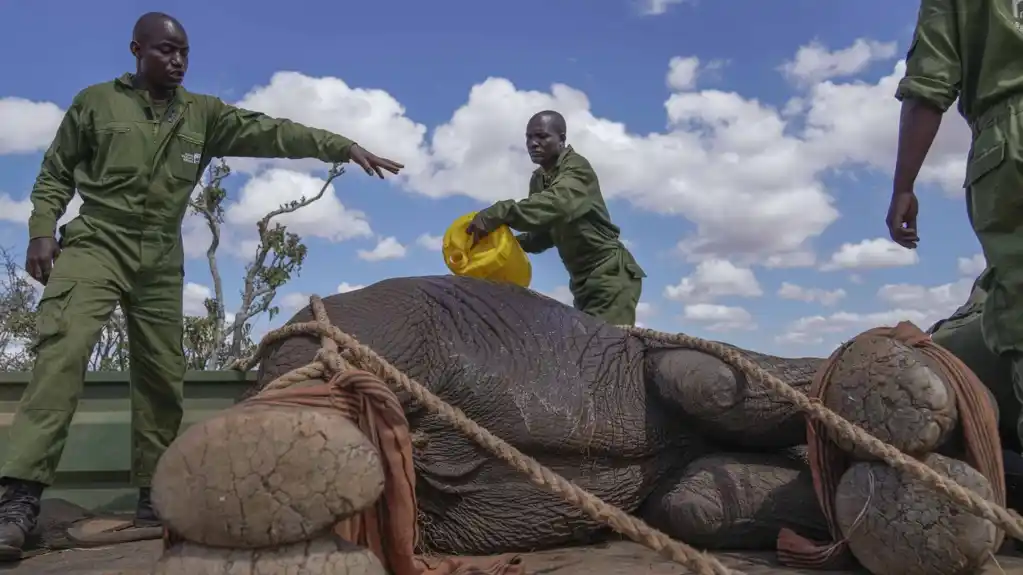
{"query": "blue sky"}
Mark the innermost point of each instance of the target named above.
(741, 144)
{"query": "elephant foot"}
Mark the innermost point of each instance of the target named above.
(896, 526)
(724, 405)
(895, 393)
(738, 501)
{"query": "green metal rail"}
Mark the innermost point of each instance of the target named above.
(94, 470)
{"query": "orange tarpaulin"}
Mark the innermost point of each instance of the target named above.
(389, 527)
(828, 462)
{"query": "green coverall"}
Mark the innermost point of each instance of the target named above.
(971, 49)
(135, 166)
(566, 209)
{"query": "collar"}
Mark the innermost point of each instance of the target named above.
(557, 165)
(128, 81)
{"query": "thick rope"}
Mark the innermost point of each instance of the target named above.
(1007, 519)
(330, 360)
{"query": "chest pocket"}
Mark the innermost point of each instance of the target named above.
(184, 156)
(119, 150)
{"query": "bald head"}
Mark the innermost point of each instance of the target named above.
(545, 138)
(160, 46)
(152, 23)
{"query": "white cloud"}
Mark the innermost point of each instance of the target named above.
(973, 265)
(824, 297)
(682, 73)
(719, 318)
(644, 313)
(194, 297)
(27, 126)
(714, 279)
(293, 302)
(386, 249)
(749, 177)
(657, 7)
(327, 218)
(875, 253)
(371, 117)
(18, 211)
(941, 300)
(345, 287)
(815, 63)
(919, 304)
(432, 243)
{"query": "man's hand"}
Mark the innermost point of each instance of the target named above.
(372, 163)
(902, 219)
(42, 252)
(479, 228)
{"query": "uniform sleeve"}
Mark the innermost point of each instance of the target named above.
(55, 185)
(243, 133)
(566, 199)
(933, 69)
(535, 242)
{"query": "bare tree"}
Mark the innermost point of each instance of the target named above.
(279, 255)
(285, 252)
(18, 298)
(111, 351)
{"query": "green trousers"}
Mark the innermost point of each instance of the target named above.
(100, 266)
(611, 291)
(994, 189)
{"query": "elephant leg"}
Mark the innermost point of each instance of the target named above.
(738, 501)
(724, 405)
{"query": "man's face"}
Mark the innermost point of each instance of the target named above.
(542, 141)
(163, 55)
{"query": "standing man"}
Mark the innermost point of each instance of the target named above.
(971, 49)
(565, 209)
(134, 148)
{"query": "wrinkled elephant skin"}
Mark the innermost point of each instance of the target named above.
(618, 415)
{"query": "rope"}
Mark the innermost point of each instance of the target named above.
(330, 360)
(1007, 519)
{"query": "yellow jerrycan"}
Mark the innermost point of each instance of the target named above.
(497, 257)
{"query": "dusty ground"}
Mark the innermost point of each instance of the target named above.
(618, 558)
(612, 559)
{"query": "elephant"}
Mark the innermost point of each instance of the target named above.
(670, 434)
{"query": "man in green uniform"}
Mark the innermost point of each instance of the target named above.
(565, 209)
(134, 148)
(971, 49)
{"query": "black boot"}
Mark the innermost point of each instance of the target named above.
(145, 515)
(19, 512)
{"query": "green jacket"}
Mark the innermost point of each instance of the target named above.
(565, 209)
(968, 49)
(129, 165)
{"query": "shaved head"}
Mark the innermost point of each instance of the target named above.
(160, 46)
(545, 138)
(555, 121)
(150, 23)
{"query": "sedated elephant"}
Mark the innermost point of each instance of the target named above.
(672, 435)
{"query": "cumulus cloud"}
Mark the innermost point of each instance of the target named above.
(815, 63)
(713, 279)
(386, 249)
(18, 211)
(27, 126)
(748, 176)
(327, 218)
(719, 318)
(919, 304)
(194, 298)
(432, 243)
(292, 302)
(973, 265)
(345, 287)
(875, 253)
(657, 7)
(799, 293)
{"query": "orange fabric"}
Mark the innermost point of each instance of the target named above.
(828, 462)
(388, 528)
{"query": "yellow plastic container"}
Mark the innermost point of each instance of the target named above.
(497, 257)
